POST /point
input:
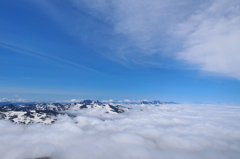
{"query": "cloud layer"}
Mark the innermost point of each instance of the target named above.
(167, 131)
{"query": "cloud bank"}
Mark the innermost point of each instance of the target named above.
(146, 131)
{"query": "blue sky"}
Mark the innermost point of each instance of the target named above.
(103, 49)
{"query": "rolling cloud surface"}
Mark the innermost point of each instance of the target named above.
(146, 131)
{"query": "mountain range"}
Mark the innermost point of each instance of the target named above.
(46, 113)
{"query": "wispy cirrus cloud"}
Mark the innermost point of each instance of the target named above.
(43, 56)
(49, 92)
(202, 33)
(211, 38)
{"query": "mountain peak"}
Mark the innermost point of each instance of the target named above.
(88, 101)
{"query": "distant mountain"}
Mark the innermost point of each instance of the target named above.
(5, 103)
(46, 113)
(18, 103)
(157, 102)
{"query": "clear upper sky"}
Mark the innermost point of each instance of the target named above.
(120, 49)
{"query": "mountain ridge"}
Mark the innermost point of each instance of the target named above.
(46, 113)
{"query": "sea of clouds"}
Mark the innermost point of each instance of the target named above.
(180, 131)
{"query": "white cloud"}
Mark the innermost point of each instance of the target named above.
(143, 23)
(212, 38)
(168, 131)
(110, 100)
(75, 100)
(203, 33)
(70, 100)
(104, 101)
(107, 101)
(210, 30)
(127, 100)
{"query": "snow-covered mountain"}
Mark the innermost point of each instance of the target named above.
(46, 113)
